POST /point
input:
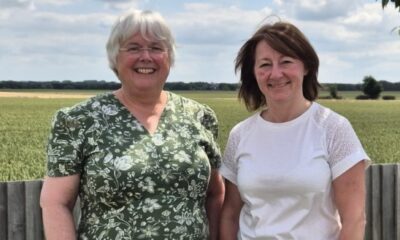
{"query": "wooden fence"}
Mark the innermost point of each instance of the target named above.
(21, 217)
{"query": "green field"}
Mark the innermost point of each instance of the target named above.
(25, 122)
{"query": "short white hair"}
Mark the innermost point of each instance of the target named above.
(151, 26)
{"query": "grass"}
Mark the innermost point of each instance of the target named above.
(63, 91)
(25, 123)
(376, 124)
(24, 127)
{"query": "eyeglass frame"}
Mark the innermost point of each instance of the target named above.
(137, 51)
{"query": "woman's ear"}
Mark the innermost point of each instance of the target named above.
(305, 72)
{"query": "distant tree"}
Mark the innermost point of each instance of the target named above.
(176, 86)
(371, 87)
(390, 86)
(333, 91)
(348, 86)
(227, 86)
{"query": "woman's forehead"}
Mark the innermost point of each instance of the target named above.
(139, 38)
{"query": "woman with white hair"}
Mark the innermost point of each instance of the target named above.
(142, 160)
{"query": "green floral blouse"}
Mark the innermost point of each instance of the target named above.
(135, 185)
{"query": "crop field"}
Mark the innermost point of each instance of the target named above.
(25, 124)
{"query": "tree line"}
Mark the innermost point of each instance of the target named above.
(104, 85)
(386, 86)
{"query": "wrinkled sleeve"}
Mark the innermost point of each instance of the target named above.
(228, 167)
(344, 148)
(210, 122)
(64, 146)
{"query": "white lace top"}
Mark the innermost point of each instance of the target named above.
(284, 173)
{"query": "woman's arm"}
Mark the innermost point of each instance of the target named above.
(230, 212)
(349, 196)
(215, 198)
(57, 200)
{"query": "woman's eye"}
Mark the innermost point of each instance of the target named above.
(133, 49)
(265, 65)
(287, 60)
(157, 49)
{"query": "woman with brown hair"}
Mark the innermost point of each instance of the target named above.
(295, 169)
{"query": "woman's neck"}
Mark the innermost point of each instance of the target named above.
(284, 112)
(140, 98)
(146, 109)
(142, 102)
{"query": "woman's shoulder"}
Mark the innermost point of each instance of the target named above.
(189, 105)
(246, 125)
(326, 117)
(85, 108)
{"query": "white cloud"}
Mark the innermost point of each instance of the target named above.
(318, 9)
(24, 4)
(208, 43)
(11, 8)
(211, 23)
(51, 22)
(64, 39)
(56, 2)
(351, 44)
(49, 37)
(121, 4)
(367, 16)
(333, 59)
(118, 1)
(352, 63)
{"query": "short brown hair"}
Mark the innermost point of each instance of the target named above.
(287, 39)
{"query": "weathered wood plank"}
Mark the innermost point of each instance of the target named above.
(3, 210)
(368, 204)
(34, 226)
(21, 213)
(16, 210)
(388, 202)
(376, 205)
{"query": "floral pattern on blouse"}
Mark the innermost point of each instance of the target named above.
(135, 185)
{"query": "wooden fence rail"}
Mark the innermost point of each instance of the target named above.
(21, 216)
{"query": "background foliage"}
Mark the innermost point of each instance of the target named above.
(174, 86)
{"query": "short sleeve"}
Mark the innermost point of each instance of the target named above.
(64, 146)
(210, 122)
(228, 167)
(344, 148)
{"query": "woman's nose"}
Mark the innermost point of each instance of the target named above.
(276, 71)
(144, 54)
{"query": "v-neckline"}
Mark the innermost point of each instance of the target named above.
(132, 117)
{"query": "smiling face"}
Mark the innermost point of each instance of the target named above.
(279, 77)
(140, 66)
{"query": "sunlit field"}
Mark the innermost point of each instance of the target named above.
(25, 125)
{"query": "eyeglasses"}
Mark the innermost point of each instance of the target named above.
(136, 50)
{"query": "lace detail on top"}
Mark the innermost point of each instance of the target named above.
(341, 139)
(235, 136)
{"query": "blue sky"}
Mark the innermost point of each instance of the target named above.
(45, 40)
